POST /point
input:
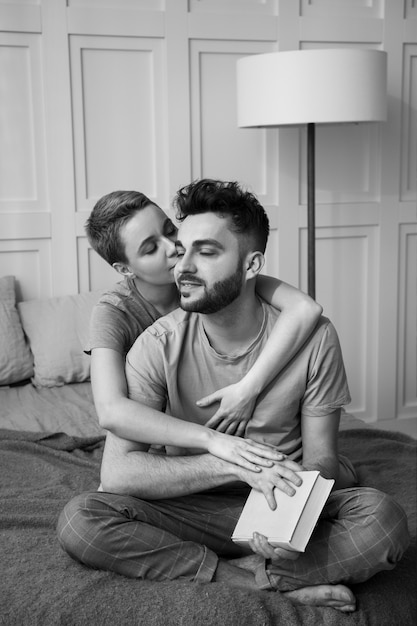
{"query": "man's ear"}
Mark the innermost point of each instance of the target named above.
(123, 269)
(254, 264)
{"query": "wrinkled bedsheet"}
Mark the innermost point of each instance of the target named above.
(68, 409)
(41, 586)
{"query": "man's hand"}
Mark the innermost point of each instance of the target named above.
(282, 475)
(259, 544)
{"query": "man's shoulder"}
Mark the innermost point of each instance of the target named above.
(173, 322)
(324, 329)
(323, 340)
(323, 324)
(164, 337)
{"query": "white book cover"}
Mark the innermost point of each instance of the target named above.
(291, 524)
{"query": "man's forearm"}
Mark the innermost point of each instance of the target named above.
(155, 476)
(128, 468)
(328, 466)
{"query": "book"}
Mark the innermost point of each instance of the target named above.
(291, 524)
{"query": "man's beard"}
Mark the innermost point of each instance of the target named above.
(219, 296)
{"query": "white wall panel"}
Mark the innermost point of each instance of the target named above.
(409, 125)
(271, 267)
(29, 261)
(357, 42)
(93, 272)
(21, 225)
(22, 159)
(338, 31)
(228, 28)
(219, 148)
(407, 304)
(339, 8)
(411, 8)
(23, 5)
(151, 5)
(118, 124)
(24, 16)
(111, 20)
(347, 164)
(268, 7)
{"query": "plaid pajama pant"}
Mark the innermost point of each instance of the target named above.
(361, 532)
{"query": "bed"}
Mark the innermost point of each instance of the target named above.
(50, 450)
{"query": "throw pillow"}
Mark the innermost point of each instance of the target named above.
(16, 362)
(57, 329)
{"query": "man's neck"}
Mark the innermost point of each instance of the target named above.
(234, 328)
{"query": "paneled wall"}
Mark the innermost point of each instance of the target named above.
(98, 95)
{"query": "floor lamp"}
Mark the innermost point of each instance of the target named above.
(309, 87)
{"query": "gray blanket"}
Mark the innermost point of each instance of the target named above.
(41, 586)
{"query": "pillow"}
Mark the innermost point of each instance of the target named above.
(16, 362)
(57, 329)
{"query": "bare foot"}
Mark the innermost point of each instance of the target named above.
(234, 576)
(335, 596)
(250, 563)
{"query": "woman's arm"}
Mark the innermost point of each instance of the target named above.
(298, 318)
(133, 421)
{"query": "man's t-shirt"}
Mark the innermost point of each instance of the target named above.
(172, 364)
(119, 317)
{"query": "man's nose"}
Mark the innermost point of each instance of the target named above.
(184, 264)
(171, 249)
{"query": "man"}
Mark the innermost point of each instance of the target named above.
(171, 516)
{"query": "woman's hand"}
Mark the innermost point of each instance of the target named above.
(235, 410)
(246, 453)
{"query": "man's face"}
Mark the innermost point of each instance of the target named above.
(209, 270)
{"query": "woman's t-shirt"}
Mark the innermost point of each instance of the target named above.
(119, 317)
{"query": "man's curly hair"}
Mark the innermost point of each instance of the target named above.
(229, 200)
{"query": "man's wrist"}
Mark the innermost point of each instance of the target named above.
(226, 471)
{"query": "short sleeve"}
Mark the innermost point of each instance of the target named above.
(327, 388)
(145, 372)
(110, 328)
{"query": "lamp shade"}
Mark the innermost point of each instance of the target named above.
(312, 86)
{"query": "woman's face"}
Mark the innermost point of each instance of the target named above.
(149, 239)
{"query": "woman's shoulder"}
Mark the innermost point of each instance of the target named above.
(126, 299)
(119, 295)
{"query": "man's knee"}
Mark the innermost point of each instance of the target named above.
(74, 525)
(347, 474)
(91, 528)
(390, 524)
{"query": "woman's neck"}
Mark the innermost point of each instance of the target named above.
(163, 297)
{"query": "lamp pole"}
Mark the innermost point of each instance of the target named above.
(311, 220)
